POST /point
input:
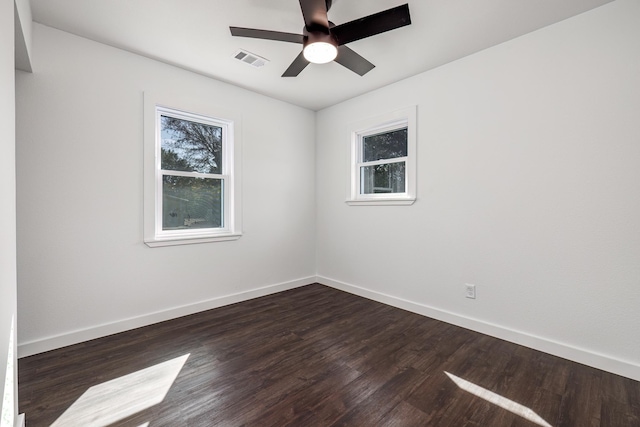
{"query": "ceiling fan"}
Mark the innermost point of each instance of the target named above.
(323, 41)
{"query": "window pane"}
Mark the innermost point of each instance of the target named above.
(190, 146)
(388, 145)
(386, 178)
(189, 203)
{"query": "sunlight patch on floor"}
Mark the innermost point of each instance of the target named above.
(498, 400)
(111, 401)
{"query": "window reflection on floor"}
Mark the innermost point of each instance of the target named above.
(498, 400)
(117, 399)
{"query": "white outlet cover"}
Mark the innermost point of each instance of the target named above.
(470, 291)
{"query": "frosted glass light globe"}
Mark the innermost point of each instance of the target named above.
(320, 52)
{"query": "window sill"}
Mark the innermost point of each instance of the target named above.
(175, 241)
(381, 202)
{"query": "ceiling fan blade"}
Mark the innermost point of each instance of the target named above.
(296, 67)
(267, 35)
(351, 60)
(314, 13)
(373, 24)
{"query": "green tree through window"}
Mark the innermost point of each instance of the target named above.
(191, 201)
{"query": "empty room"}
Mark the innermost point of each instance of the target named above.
(320, 213)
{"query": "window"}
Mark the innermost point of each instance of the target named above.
(383, 159)
(191, 174)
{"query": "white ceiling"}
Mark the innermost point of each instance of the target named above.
(194, 34)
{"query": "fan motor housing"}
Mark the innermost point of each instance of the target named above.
(317, 35)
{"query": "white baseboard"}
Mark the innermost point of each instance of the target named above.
(585, 357)
(20, 421)
(74, 337)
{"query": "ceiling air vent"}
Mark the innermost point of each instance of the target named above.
(251, 58)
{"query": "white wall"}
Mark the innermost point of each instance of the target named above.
(528, 187)
(8, 222)
(23, 24)
(82, 266)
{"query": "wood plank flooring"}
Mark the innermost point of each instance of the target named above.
(316, 356)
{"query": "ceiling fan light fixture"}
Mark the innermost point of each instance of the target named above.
(320, 52)
(319, 47)
(323, 41)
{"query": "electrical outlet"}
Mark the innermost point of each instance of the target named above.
(470, 291)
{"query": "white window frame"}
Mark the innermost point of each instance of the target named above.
(197, 110)
(404, 118)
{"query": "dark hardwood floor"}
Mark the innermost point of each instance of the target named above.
(316, 356)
